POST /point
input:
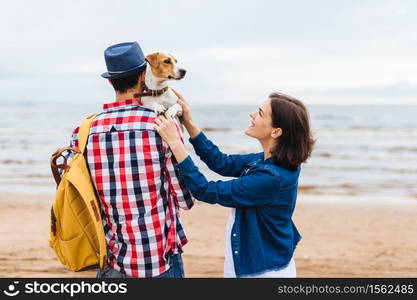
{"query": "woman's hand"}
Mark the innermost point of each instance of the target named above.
(186, 112)
(186, 118)
(168, 130)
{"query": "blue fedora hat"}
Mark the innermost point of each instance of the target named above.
(123, 60)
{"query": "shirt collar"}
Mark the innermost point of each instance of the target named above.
(121, 103)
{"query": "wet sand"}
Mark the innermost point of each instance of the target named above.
(339, 239)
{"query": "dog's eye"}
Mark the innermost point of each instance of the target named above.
(167, 61)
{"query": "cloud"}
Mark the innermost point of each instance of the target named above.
(234, 51)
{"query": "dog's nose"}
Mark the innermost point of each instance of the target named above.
(182, 72)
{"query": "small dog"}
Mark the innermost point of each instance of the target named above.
(156, 95)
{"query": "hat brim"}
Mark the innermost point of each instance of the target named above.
(137, 70)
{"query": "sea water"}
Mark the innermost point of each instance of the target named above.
(359, 150)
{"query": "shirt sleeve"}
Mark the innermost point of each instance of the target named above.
(256, 189)
(221, 163)
(181, 194)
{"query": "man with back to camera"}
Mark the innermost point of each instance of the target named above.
(135, 177)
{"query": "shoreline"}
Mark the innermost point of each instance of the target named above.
(340, 238)
(46, 198)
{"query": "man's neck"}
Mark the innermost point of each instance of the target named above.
(125, 96)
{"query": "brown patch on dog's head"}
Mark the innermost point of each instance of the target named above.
(164, 66)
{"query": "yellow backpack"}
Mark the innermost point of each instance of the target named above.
(77, 234)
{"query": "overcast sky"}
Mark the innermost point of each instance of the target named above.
(323, 52)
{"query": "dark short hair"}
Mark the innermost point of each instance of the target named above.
(122, 85)
(296, 143)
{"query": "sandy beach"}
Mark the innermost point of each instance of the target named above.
(339, 239)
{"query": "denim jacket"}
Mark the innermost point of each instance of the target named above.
(263, 236)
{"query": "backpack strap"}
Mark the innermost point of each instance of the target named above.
(82, 142)
(84, 132)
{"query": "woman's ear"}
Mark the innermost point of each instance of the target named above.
(276, 133)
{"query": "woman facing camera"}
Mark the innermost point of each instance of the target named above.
(260, 235)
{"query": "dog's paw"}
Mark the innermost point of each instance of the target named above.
(174, 111)
(171, 112)
(159, 109)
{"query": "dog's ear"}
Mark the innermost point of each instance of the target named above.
(152, 59)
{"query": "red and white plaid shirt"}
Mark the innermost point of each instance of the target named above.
(139, 188)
